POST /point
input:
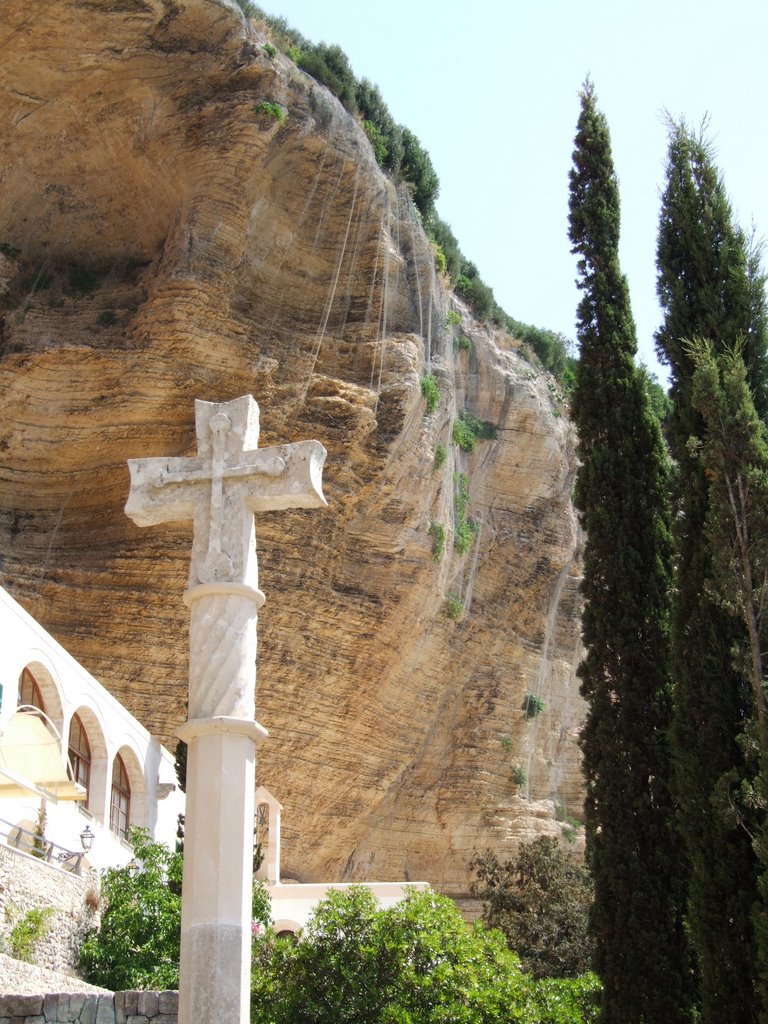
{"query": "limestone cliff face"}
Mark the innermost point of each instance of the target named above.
(162, 240)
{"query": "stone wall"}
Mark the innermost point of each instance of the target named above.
(90, 1008)
(27, 883)
(23, 979)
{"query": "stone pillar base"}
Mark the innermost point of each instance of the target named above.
(215, 979)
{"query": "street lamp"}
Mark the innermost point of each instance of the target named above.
(86, 839)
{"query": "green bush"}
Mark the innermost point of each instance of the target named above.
(137, 944)
(541, 901)
(532, 705)
(414, 963)
(452, 318)
(440, 233)
(463, 436)
(462, 343)
(441, 454)
(373, 109)
(518, 775)
(268, 109)
(437, 532)
(441, 265)
(468, 429)
(454, 607)
(377, 141)
(269, 49)
(416, 168)
(28, 931)
(329, 65)
(430, 391)
(464, 529)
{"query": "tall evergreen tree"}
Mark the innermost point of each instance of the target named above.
(622, 497)
(710, 289)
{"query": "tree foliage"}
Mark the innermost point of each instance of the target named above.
(621, 494)
(415, 963)
(540, 901)
(733, 451)
(137, 944)
(710, 288)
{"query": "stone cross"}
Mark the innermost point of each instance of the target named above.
(219, 489)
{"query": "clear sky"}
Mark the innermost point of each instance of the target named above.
(490, 88)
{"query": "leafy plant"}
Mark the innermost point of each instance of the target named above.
(377, 141)
(268, 109)
(541, 902)
(441, 453)
(437, 532)
(463, 436)
(414, 963)
(468, 429)
(28, 931)
(519, 775)
(441, 265)
(462, 342)
(137, 944)
(454, 607)
(532, 705)
(452, 318)
(506, 742)
(269, 49)
(430, 392)
(464, 529)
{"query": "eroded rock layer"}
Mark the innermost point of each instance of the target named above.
(162, 239)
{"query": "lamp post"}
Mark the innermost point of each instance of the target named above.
(86, 839)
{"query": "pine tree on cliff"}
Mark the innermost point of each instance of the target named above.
(622, 497)
(710, 289)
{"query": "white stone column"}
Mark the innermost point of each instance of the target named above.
(218, 868)
(215, 968)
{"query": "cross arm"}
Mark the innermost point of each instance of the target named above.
(298, 485)
(150, 502)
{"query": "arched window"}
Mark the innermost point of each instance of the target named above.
(29, 691)
(80, 754)
(120, 804)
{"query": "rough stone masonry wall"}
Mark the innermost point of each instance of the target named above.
(82, 1008)
(27, 883)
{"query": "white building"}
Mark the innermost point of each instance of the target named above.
(293, 902)
(76, 751)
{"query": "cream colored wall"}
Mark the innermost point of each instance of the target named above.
(68, 689)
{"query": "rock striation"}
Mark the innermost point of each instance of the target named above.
(163, 238)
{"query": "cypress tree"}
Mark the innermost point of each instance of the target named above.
(710, 289)
(622, 498)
